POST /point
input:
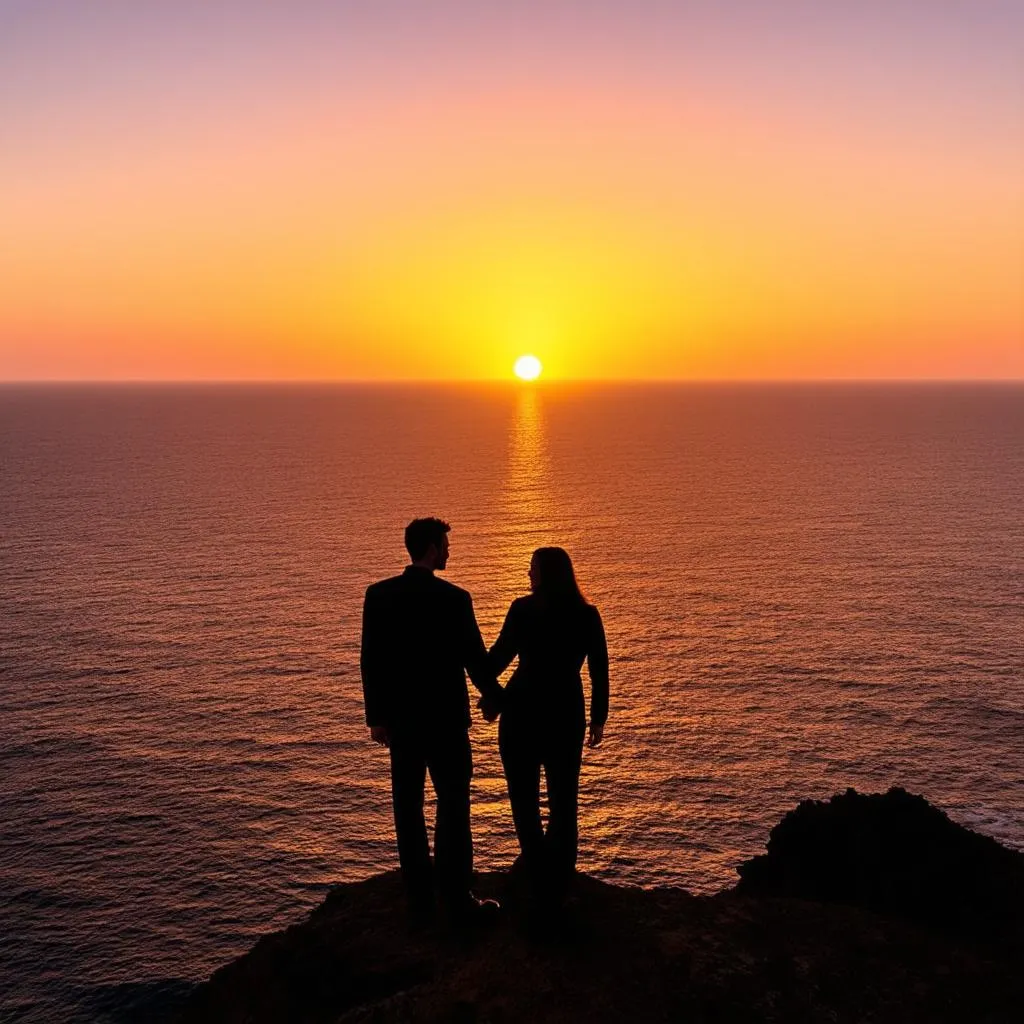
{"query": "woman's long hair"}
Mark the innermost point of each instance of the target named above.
(556, 582)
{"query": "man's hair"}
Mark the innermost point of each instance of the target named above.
(421, 533)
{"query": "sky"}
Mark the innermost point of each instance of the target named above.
(426, 190)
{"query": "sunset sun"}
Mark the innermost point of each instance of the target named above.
(527, 368)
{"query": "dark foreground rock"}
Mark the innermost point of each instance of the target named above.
(650, 955)
(896, 854)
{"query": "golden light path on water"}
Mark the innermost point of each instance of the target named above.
(525, 523)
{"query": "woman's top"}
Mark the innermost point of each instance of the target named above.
(552, 642)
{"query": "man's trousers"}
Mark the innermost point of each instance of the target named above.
(447, 756)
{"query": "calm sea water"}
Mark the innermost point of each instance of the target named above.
(805, 588)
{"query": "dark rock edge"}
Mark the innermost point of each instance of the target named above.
(864, 908)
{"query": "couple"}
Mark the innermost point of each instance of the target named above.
(420, 637)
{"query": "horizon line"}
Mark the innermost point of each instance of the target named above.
(455, 381)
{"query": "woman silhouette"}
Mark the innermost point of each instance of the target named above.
(543, 720)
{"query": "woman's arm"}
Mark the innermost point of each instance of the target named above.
(597, 666)
(506, 647)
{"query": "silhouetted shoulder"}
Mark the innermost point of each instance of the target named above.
(520, 611)
(451, 590)
(382, 586)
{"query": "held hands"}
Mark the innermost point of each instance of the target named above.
(596, 735)
(380, 735)
(490, 707)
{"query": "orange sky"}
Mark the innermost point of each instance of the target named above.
(627, 194)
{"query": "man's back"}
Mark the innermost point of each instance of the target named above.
(419, 635)
(419, 638)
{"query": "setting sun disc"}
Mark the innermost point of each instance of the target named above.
(527, 368)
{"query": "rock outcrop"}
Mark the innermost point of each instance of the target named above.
(897, 855)
(837, 922)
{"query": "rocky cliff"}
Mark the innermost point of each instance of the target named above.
(864, 908)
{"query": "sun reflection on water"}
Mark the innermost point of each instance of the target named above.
(527, 505)
(534, 512)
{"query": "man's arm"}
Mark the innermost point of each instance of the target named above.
(477, 663)
(372, 670)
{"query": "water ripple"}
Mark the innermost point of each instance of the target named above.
(801, 594)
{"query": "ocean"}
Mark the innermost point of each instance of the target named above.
(805, 588)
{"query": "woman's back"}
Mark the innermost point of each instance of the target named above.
(552, 640)
(543, 719)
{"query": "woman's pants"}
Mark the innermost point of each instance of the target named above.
(526, 748)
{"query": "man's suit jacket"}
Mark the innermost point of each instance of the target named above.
(420, 635)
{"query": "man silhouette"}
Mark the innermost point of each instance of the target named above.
(420, 635)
